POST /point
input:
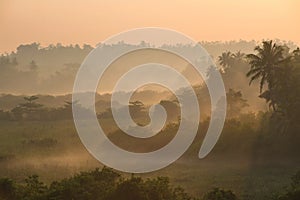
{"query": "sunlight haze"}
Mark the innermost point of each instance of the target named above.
(91, 21)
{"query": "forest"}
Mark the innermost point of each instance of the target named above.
(257, 156)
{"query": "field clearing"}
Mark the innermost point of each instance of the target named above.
(53, 151)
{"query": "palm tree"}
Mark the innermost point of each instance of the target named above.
(265, 63)
(239, 56)
(226, 59)
(279, 69)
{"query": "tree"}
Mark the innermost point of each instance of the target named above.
(265, 63)
(8, 189)
(33, 66)
(138, 111)
(28, 110)
(226, 59)
(293, 192)
(31, 99)
(130, 189)
(235, 103)
(239, 56)
(279, 71)
(34, 189)
(219, 194)
(91, 185)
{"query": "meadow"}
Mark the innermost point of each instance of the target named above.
(52, 150)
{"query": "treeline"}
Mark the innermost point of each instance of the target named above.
(31, 110)
(107, 184)
(52, 69)
(273, 69)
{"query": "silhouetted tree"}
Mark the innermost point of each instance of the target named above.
(235, 103)
(279, 71)
(265, 63)
(239, 55)
(28, 110)
(226, 59)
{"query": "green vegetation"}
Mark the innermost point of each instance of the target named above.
(107, 184)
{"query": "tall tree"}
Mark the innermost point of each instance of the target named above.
(226, 59)
(279, 71)
(265, 63)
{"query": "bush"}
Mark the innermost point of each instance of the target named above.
(293, 192)
(104, 184)
(219, 194)
(7, 189)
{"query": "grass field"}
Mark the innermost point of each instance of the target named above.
(53, 151)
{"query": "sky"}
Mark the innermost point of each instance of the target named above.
(92, 21)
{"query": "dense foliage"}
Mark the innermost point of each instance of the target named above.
(107, 184)
(104, 184)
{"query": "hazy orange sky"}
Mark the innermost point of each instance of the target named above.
(91, 21)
